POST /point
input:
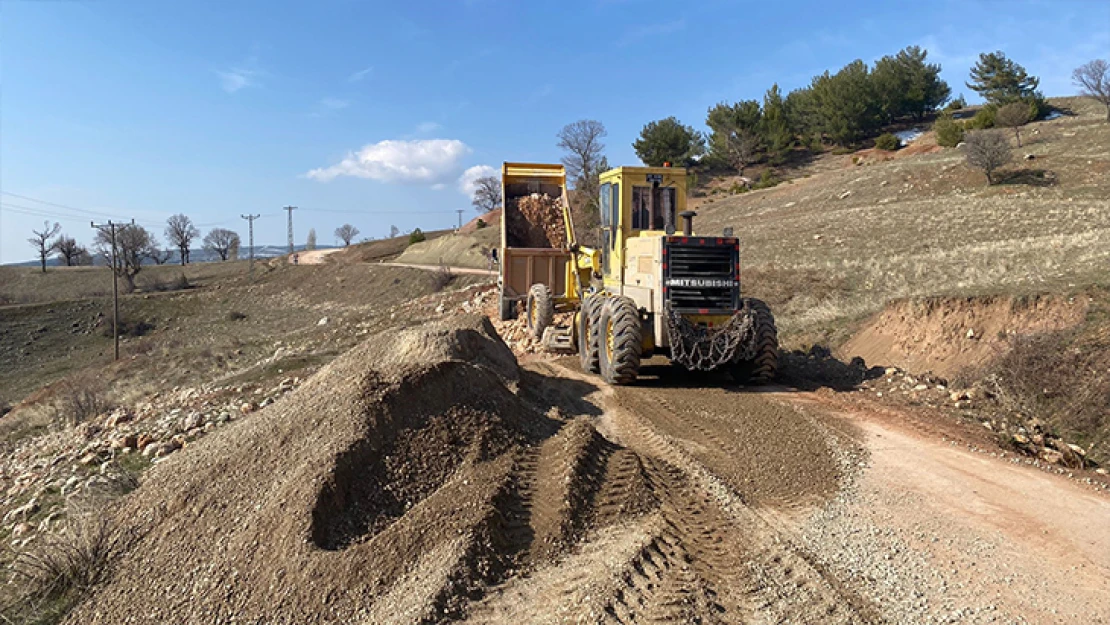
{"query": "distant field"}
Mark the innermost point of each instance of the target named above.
(840, 240)
(27, 285)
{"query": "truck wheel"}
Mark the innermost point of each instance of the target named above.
(621, 339)
(762, 367)
(541, 310)
(589, 319)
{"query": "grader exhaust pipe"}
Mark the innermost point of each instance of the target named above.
(687, 222)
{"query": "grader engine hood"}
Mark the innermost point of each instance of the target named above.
(701, 275)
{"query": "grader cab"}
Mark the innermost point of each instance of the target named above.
(653, 287)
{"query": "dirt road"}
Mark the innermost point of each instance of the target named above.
(466, 270)
(777, 507)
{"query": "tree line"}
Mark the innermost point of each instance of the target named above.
(850, 106)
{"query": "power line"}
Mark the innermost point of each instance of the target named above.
(372, 213)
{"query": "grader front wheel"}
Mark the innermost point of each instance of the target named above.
(540, 310)
(621, 335)
(589, 321)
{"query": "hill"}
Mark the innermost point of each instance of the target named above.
(848, 233)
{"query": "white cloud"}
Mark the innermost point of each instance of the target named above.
(426, 127)
(423, 160)
(360, 74)
(334, 104)
(439, 186)
(467, 180)
(237, 78)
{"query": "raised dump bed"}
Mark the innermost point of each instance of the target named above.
(534, 232)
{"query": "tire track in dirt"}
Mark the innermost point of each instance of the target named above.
(751, 559)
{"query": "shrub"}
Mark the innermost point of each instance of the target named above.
(984, 118)
(417, 236)
(79, 399)
(987, 150)
(127, 327)
(888, 142)
(949, 131)
(956, 104)
(442, 277)
(481, 224)
(1057, 378)
(737, 188)
(766, 180)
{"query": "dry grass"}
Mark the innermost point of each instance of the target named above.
(52, 574)
(28, 285)
(927, 224)
(80, 398)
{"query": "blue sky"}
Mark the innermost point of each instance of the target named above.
(373, 113)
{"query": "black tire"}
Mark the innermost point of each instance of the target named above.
(620, 340)
(540, 310)
(761, 369)
(589, 318)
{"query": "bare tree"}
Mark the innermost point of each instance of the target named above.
(69, 250)
(1093, 80)
(42, 243)
(219, 240)
(132, 243)
(346, 233)
(233, 249)
(1013, 115)
(742, 148)
(180, 232)
(310, 243)
(487, 194)
(987, 150)
(155, 253)
(394, 232)
(584, 150)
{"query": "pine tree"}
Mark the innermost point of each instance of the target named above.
(904, 84)
(778, 138)
(1001, 81)
(668, 141)
(735, 138)
(845, 104)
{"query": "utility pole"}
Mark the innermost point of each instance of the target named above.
(250, 229)
(290, 209)
(460, 212)
(111, 226)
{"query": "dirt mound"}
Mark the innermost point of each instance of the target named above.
(404, 482)
(536, 221)
(946, 335)
(388, 462)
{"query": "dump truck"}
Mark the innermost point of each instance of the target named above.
(648, 289)
(528, 255)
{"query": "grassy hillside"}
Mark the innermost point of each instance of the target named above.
(851, 232)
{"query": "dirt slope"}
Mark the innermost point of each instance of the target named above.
(945, 335)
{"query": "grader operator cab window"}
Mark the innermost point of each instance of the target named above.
(653, 207)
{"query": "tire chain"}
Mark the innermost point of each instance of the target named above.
(703, 349)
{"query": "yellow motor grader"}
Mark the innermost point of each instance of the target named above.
(653, 287)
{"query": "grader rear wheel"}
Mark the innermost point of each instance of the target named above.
(589, 320)
(540, 310)
(621, 341)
